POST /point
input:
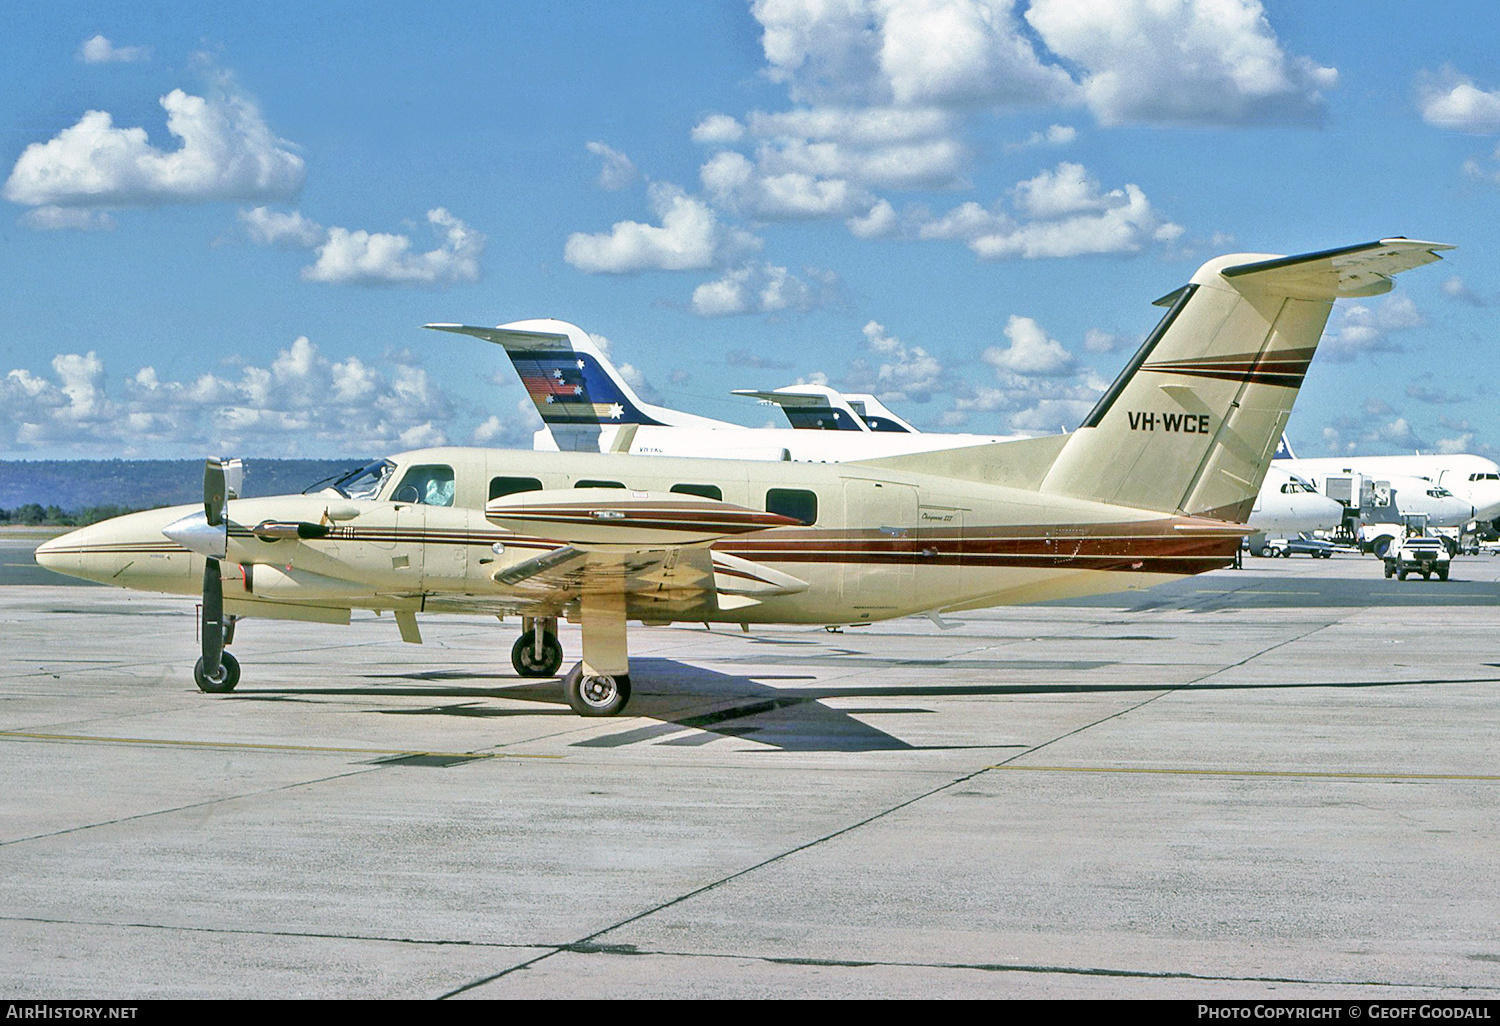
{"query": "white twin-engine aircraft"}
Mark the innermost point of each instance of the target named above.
(1155, 484)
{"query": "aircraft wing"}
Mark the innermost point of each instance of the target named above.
(1350, 271)
(650, 548)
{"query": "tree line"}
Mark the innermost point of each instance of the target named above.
(33, 514)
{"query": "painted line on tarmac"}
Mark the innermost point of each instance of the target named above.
(1309, 774)
(260, 747)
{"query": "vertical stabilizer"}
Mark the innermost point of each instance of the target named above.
(1192, 422)
(583, 399)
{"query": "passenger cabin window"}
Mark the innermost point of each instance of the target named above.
(598, 484)
(797, 503)
(430, 485)
(511, 485)
(706, 491)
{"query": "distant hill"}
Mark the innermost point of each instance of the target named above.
(141, 484)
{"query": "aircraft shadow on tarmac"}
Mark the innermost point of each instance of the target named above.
(693, 705)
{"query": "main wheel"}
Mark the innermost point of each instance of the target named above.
(229, 675)
(523, 655)
(596, 694)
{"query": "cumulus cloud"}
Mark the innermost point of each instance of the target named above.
(51, 219)
(1030, 352)
(360, 257)
(378, 258)
(951, 52)
(1055, 135)
(904, 372)
(1451, 100)
(617, 171)
(99, 50)
(226, 152)
(718, 130)
(1360, 329)
(1062, 213)
(302, 403)
(881, 220)
(687, 238)
(1456, 288)
(762, 288)
(1189, 62)
(275, 228)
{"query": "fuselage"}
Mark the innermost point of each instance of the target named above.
(1473, 480)
(876, 544)
(1288, 505)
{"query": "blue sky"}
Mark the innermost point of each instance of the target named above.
(222, 227)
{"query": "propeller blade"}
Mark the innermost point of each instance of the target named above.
(213, 618)
(215, 492)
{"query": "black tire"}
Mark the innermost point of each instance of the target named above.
(1442, 575)
(1390, 571)
(523, 658)
(1426, 575)
(1400, 575)
(229, 676)
(596, 694)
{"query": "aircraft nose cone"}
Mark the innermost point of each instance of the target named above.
(54, 554)
(196, 534)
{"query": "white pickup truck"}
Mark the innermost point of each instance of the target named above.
(1417, 555)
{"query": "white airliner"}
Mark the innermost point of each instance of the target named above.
(1450, 489)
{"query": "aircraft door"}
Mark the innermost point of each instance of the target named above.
(880, 567)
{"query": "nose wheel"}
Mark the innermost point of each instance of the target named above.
(536, 653)
(224, 681)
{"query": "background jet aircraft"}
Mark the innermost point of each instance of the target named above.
(1451, 489)
(1153, 485)
(586, 406)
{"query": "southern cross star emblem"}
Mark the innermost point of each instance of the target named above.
(616, 411)
(580, 365)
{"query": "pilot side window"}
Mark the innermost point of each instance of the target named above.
(511, 485)
(797, 503)
(706, 491)
(430, 485)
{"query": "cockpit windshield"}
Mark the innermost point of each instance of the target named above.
(360, 483)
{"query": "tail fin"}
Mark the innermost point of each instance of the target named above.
(577, 390)
(1284, 449)
(810, 407)
(1190, 424)
(819, 407)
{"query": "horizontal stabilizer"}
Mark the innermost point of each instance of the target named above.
(1345, 273)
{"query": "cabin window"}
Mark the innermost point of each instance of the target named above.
(511, 485)
(430, 485)
(797, 503)
(706, 491)
(598, 484)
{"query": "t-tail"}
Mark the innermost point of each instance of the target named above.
(1191, 424)
(577, 390)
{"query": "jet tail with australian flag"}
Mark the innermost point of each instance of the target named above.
(584, 401)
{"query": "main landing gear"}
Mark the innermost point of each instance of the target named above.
(596, 694)
(599, 685)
